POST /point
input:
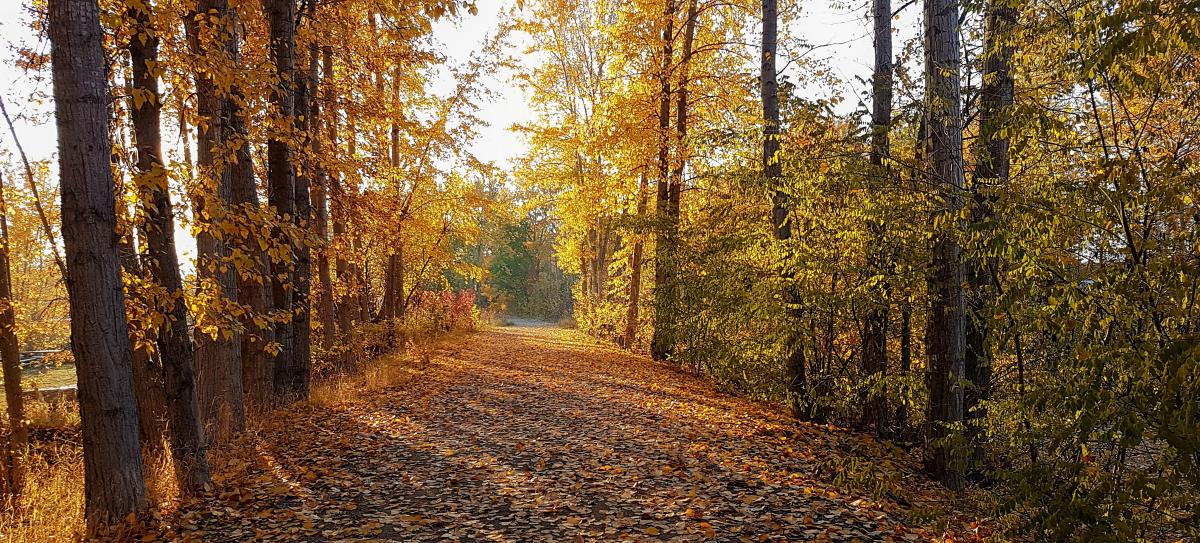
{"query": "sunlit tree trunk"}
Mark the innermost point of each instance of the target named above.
(346, 307)
(358, 266)
(320, 199)
(186, 436)
(355, 287)
(148, 387)
(218, 353)
(10, 355)
(945, 342)
(254, 292)
(112, 463)
(635, 272)
(681, 112)
(602, 250)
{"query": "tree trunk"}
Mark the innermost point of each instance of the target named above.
(281, 179)
(174, 344)
(635, 272)
(799, 396)
(945, 342)
(401, 278)
(148, 387)
(357, 289)
(10, 355)
(662, 338)
(346, 308)
(320, 201)
(112, 464)
(991, 172)
(301, 304)
(602, 246)
(875, 328)
(900, 423)
(258, 370)
(218, 361)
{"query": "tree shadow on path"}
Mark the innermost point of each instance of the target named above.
(538, 434)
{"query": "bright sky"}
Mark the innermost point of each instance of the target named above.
(842, 30)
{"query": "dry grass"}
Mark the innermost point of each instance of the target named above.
(382, 373)
(51, 508)
(57, 415)
(51, 504)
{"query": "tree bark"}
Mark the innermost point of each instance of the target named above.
(991, 172)
(112, 464)
(10, 355)
(320, 201)
(945, 343)
(602, 251)
(148, 387)
(301, 363)
(218, 353)
(254, 293)
(799, 396)
(281, 179)
(662, 338)
(174, 344)
(875, 327)
(394, 294)
(635, 272)
(900, 423)
(347, 309)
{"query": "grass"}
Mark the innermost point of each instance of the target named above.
(388, 371)
(51, 508)
(46, 377)
(51, 505)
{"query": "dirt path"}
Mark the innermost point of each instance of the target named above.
(537, 434)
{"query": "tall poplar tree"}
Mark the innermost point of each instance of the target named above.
(112, 463)
(218, 348)
(945, 338)
(281, 180)
(662, 341)
(875, 326)
(174, 343)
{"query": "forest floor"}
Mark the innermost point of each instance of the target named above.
(538, 433)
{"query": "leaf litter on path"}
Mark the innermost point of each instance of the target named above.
(538, 434)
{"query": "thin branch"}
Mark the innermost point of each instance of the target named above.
(37, 198)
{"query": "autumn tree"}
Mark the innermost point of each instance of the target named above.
(991, 173)
(10, 356)
(877, 322)
(112, 461)
(187, 438)
(945, 341)
(218, 347)
(281, 184)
